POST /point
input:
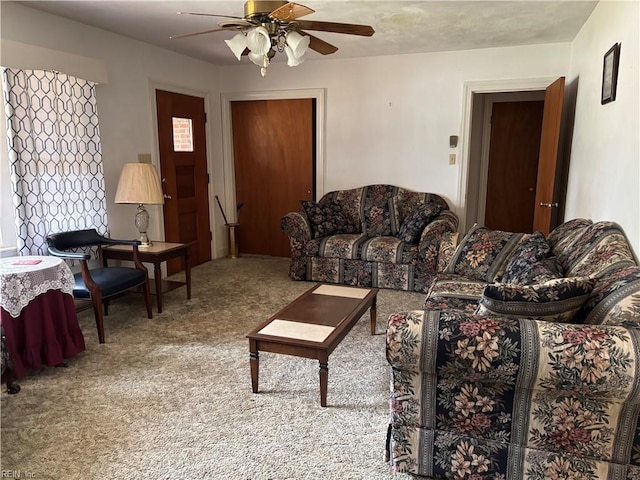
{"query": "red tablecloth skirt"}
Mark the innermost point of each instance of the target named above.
(45, 333)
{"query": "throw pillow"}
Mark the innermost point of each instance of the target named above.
(540, 272)
(413, 225)
(529, 251)
(555, 301)
(482, 253)
(327, 219)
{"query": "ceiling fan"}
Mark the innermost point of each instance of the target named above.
(270, 26)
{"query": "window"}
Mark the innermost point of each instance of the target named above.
(182, 134)
(55, 158)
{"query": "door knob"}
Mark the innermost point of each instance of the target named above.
(168, 197)
(549, 205)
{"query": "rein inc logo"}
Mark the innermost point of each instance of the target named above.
(17, 474)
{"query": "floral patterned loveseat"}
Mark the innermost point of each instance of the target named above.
(378, 235)
(536, 379)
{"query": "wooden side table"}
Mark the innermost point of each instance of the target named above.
(157, 253)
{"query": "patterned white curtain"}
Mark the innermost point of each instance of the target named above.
(54, 155)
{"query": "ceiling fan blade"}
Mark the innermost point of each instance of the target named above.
(290, 11)
(347, 28)
(235, 24)
(210, 15)
(320, 46)
(193, 34)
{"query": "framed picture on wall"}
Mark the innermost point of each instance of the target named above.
(610, 74)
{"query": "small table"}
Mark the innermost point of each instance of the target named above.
(38, 314)
(157, 253)
(312, 326)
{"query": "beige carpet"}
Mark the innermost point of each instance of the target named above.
(171, 397)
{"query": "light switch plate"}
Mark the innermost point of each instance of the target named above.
(144, 158)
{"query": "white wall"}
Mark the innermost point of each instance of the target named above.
(125, 102)
(604, 173)
(389, 118)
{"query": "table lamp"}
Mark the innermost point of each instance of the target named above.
(140, 184)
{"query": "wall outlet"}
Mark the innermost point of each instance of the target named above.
(452, 159)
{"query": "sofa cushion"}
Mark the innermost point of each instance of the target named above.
(531, 249)
(327, 218)
(450, 291)
(351, 201)
(565, 234)
(555, 301)
(599, 248)
(538, 272)
(378, 218)
(383, 249)
(530, 263)
(419, 217)
(336, 246)
(404, 200)
(482, 253)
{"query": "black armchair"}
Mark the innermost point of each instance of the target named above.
(100, 284)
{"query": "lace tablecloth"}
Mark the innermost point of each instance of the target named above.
(24, 278)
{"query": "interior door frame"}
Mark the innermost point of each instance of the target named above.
(319, 94)
(489, 100)
(469, 90)
(156, 85)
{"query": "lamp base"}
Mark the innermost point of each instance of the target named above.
(144, 241)
(142, 223)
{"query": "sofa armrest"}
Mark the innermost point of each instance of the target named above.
(497, 388)
(296, 226)
(455, 346)
(430, 240)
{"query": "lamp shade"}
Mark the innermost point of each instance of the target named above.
(139, 183)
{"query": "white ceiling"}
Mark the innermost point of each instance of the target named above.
(401, 27)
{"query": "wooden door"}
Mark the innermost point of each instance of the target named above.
(183, 168)
(273, 150)
(547, 188)
(513, 165)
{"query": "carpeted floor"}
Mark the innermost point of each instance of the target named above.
(171, 397)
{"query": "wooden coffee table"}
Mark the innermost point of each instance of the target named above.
(312, 326)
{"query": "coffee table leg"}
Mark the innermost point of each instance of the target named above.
(372, 312)
(324, 379)
(254, 363)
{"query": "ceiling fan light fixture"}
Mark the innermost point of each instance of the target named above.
(273, 26)
(237, 44)
(297, 43)
(258, 40)
(259, 59)
(292, 59)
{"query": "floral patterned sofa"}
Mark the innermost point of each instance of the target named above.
(378, 235)
(538, 378)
